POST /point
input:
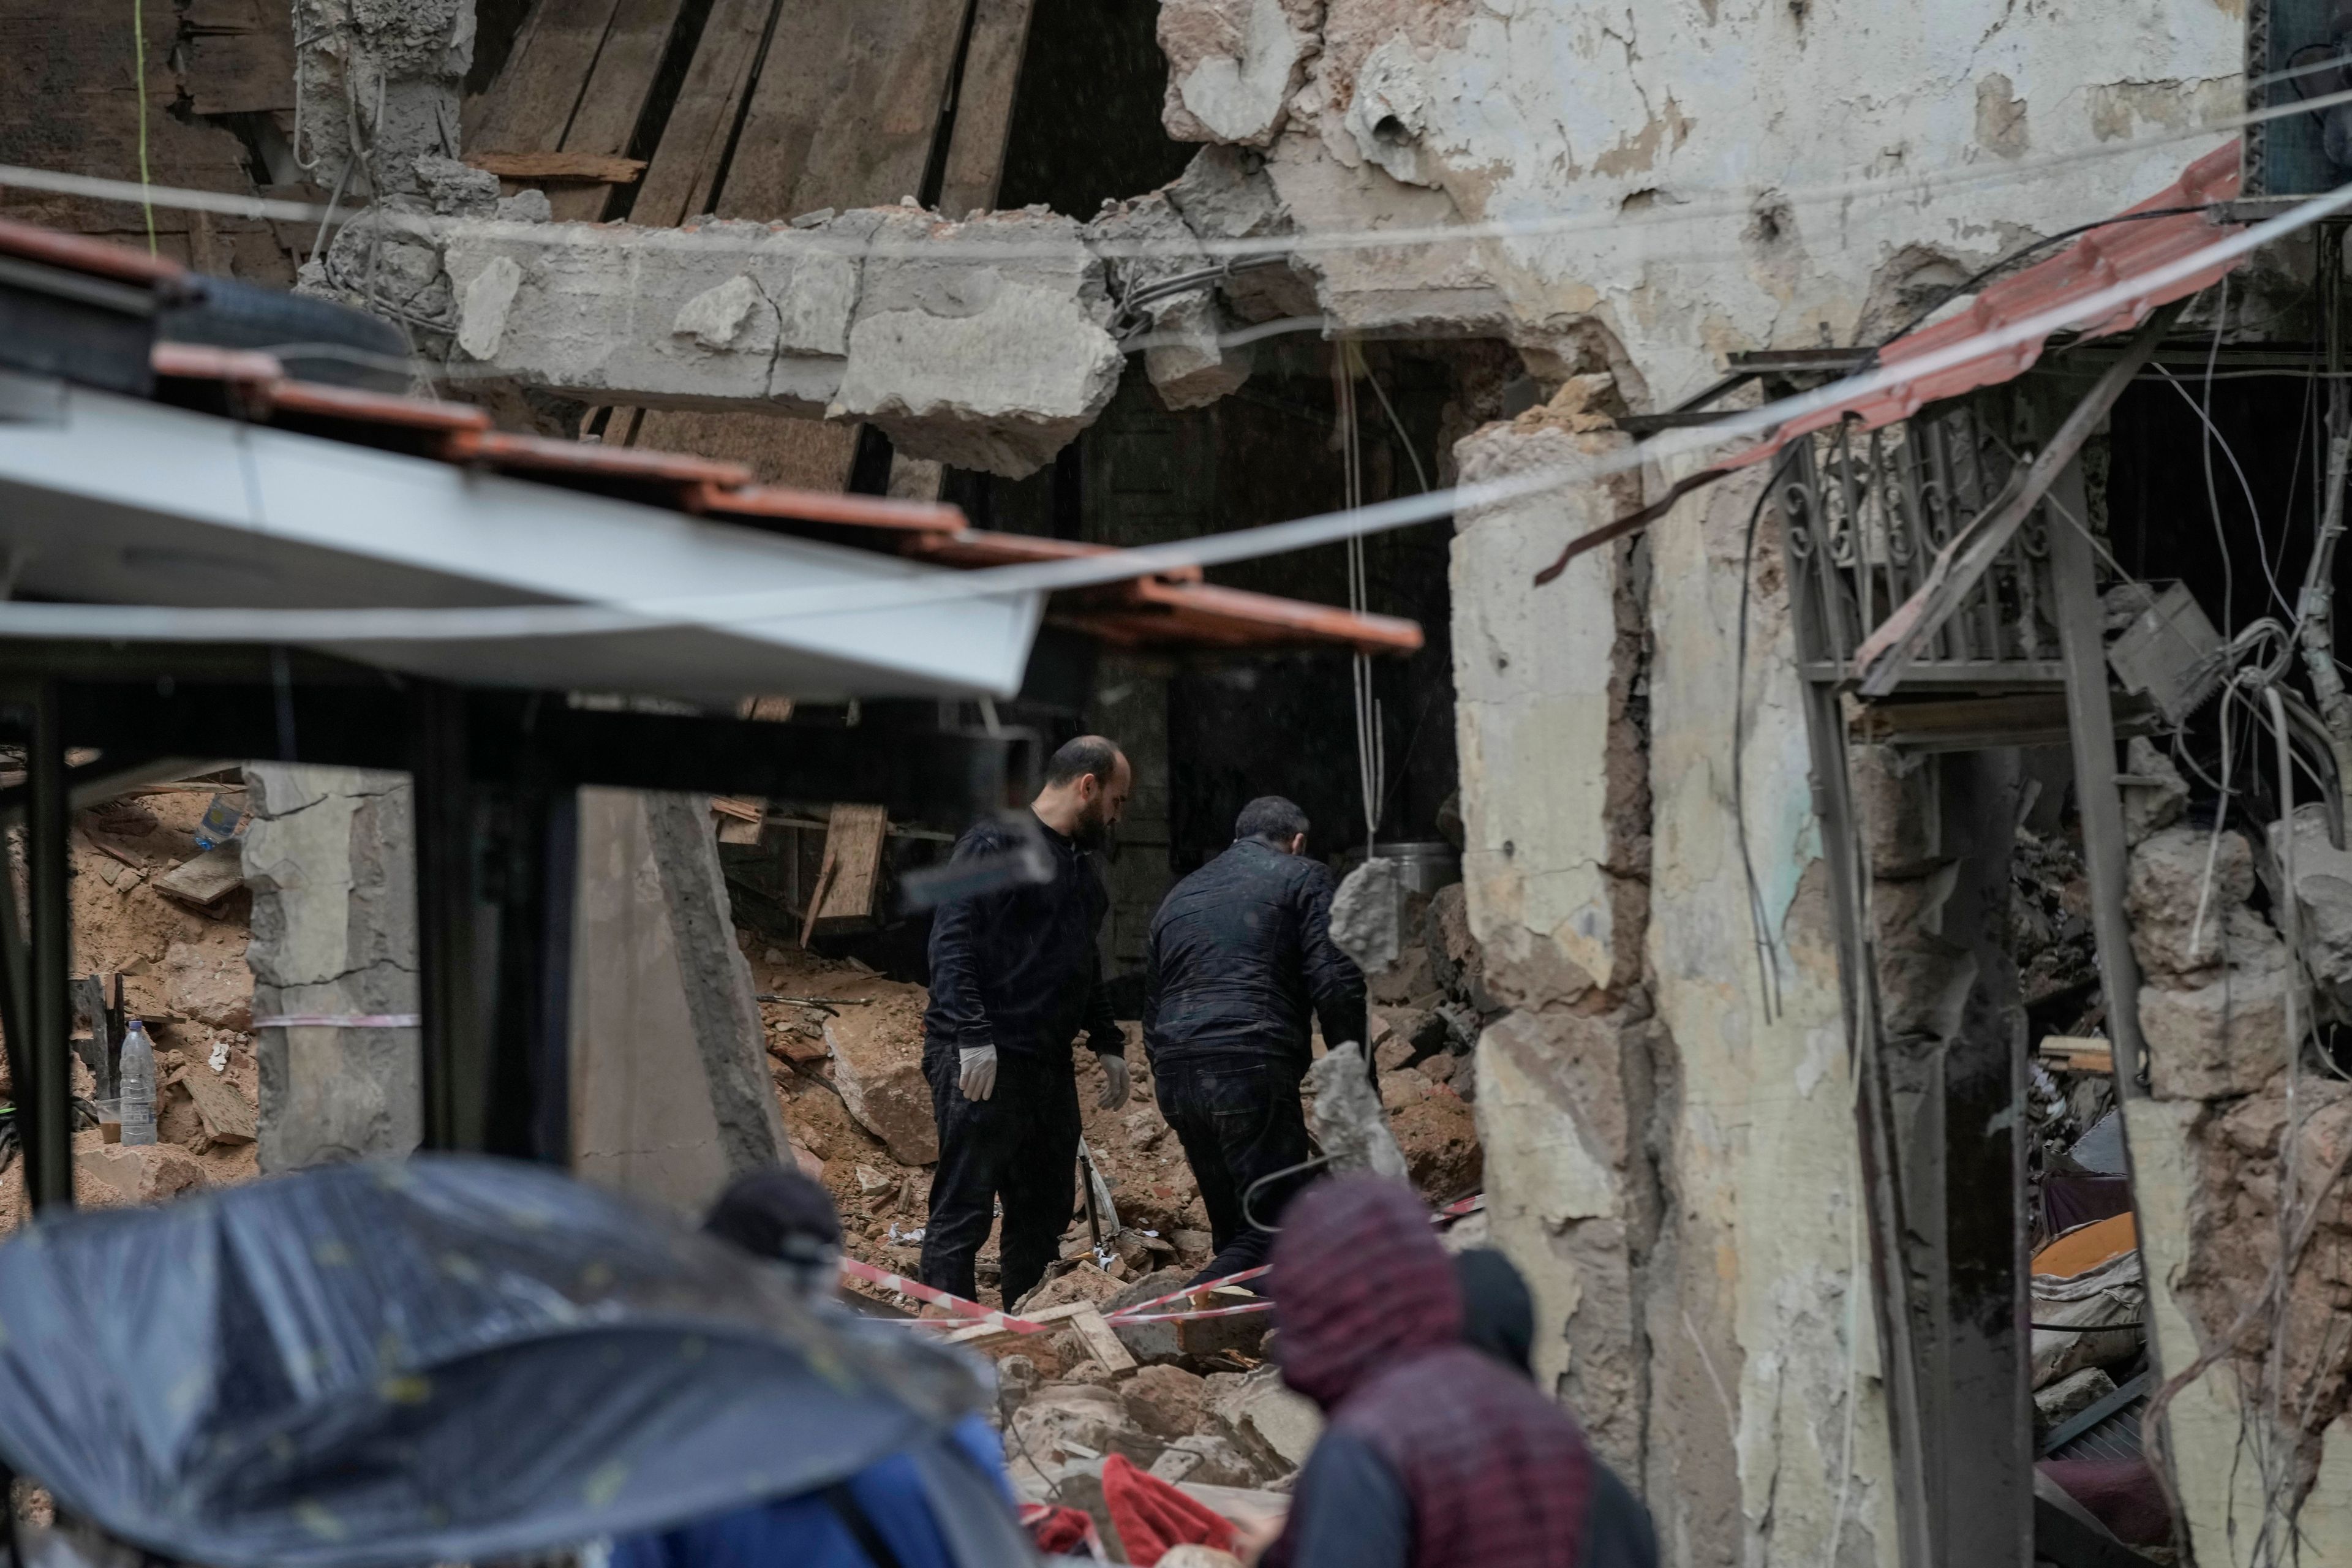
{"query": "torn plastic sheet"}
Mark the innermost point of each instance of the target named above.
(446, 1359)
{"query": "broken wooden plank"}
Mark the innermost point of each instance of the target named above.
(605, 121)
(804, 81)
(566, 166)
(1101, 1343)
(984, 107)
(529, 106)
(2085, 1053)
(739, 821)
(817, 898)
(679, 182)
(206, 880)
(854, 842)
(89, 992)
(874, 142)
(227, 1117)
(989, 1336)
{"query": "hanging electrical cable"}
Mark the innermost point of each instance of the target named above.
(1371, 743)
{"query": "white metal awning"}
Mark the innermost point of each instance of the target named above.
(110, 499)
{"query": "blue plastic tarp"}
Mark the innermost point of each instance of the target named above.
(445, 1359)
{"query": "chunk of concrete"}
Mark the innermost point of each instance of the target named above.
(1233, 65)
(877, 1066)
(1365, 913)
(1211, 1458)
(112, 1175)
(1262, 1416)
(1067, 1421)
(1349, 1120)
(2071, 1395)
(2226, 1037)
(2155, 795)
(2169, 885)
(1166, 1401)
(977, 362)
(2323, 879)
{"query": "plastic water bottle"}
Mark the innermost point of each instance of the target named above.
(138, 1077)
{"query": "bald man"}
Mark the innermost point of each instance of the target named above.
(1015, 976)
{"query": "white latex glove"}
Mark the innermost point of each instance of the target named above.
(1115, 1081)
(977, 1071)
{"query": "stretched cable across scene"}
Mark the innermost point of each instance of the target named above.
(133, 622)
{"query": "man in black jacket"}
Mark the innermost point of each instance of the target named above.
(1015, 977)
(1241, 951)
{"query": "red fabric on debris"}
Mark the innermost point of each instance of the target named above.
(1370, 1320)
(1057, 1531)
(2122, 1494)
(1152, 1516)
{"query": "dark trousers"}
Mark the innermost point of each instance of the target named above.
(1239, 1121)
(1021, 1144)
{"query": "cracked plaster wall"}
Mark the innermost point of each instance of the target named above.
(1675, 1175)
(1502, 110)
(1652, 1138)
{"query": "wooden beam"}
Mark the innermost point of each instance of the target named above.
(854, 842)
(560, 166)
(984, 107)
(530, 107)
(683, 177)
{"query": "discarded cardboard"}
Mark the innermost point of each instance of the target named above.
(206, 880)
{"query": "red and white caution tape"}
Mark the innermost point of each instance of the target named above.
(971, 1312)
(1125, 1318)
(1128, 1314)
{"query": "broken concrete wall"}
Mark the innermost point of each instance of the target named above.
(1675, 1175)
(670, 1095)
(1721, 119)
(330, 858)
(2226, 1144)
(1762, 1310)
(984, 344)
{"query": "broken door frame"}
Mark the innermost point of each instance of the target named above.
(1827, 671)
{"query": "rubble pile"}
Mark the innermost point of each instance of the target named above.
(183, 969)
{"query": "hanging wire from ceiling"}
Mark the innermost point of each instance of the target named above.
(1371, 739)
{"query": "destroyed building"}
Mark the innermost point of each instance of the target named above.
(1830, 937)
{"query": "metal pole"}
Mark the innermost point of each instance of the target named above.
(2090, 716)
(47, 1131)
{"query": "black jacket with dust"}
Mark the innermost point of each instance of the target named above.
(1240, 953)
(1018, 969)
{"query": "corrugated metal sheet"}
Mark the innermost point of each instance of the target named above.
(2098, 261)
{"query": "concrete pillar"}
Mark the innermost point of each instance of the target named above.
(1554, 797)
(671, 1092)
(330, 860)
(1674, 1169)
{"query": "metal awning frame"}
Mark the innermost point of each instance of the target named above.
(496, 775)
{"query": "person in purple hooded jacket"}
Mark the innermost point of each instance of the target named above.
(1436, 1455)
